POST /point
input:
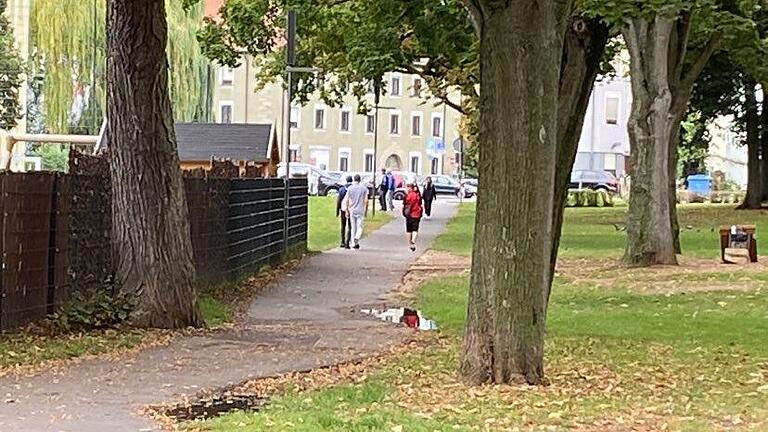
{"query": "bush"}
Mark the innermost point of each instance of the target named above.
(588, 198)
(93, 310)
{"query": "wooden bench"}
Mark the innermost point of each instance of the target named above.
(725, 232)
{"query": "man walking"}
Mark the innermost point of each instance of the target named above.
(342, 212)
(383, 188)
(357, 197)
(390, 191)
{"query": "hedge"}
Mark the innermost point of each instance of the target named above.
(588, 198)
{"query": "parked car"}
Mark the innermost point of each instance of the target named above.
(470, 186)
(444, 185)
(595, 180)
(318, 182)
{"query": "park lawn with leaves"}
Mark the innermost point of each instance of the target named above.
(324, 231)
(618, 356)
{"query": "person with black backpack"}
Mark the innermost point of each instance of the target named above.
(342, 212)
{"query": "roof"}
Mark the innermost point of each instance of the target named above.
(203, 141)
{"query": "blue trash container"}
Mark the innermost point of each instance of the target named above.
(699, 186)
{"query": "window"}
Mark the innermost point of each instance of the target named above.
(434, 165)
(370, 124)
(344, 154)
(371, 88)
(295, 117)
(416, 87)
(437, 126)
(394, 85)
(612, 110)
(415, 124)
(344, 120)
(415, 164)
(394, 124)
(320, 118)
(226, 75)
(368, 162)
(225, 112)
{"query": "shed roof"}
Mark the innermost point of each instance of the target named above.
(236, 141)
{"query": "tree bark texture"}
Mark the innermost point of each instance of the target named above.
(520, 51)
(754, 197)
(649, 233)
(152, 246)
(585, 41)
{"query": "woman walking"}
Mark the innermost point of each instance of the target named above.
(429, 195)
(412, 211)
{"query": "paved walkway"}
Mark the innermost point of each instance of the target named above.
(301, 322)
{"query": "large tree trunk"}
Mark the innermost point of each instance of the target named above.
(585, 42)
(153, 251)
(520, 51)
(651, 129)
(754, 197)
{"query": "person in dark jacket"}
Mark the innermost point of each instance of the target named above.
(342, 212)
(429, 195)
(383, 188)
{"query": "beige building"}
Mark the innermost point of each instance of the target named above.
(412, 126)
(18, 13)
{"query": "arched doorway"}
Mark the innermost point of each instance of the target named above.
(393, 163)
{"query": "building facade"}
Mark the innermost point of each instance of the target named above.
(604, 143)
(727, 155)
(413, 127)
(18, 14)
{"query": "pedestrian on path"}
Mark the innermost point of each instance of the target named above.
(429, 195)
(357, 196)
(412, 211)
(342, 212)
(383, 188)
(390, 191)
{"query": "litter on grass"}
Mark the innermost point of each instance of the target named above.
(410, 317)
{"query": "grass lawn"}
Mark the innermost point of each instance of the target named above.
(324, 230)
(592, 232)
(626, 349)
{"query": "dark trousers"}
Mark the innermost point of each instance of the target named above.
(346, 228)
(428, 206)
(383, 199)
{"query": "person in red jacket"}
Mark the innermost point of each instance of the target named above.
(412, 211)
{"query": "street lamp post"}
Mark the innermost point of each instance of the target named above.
(290, 69)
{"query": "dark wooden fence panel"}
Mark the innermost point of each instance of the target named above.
(27, 202)
(55, 234)
(207, 200)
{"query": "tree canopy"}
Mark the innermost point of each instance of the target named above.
(69, 38)
(11, 74)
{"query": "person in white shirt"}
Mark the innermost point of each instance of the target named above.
(357, 198)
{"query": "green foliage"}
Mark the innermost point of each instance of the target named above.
(588, 198)
(93, 310)
(73, 33)
(354, 42)
(11, 71)
(55, 157)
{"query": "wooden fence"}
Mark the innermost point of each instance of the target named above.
(55, 234)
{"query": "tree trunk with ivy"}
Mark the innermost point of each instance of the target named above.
(153, 250)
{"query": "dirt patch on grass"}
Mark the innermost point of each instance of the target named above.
(430, 265)
(691, 276)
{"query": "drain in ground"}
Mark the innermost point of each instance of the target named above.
(215, 406)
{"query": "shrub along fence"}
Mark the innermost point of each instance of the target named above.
(55, 234)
